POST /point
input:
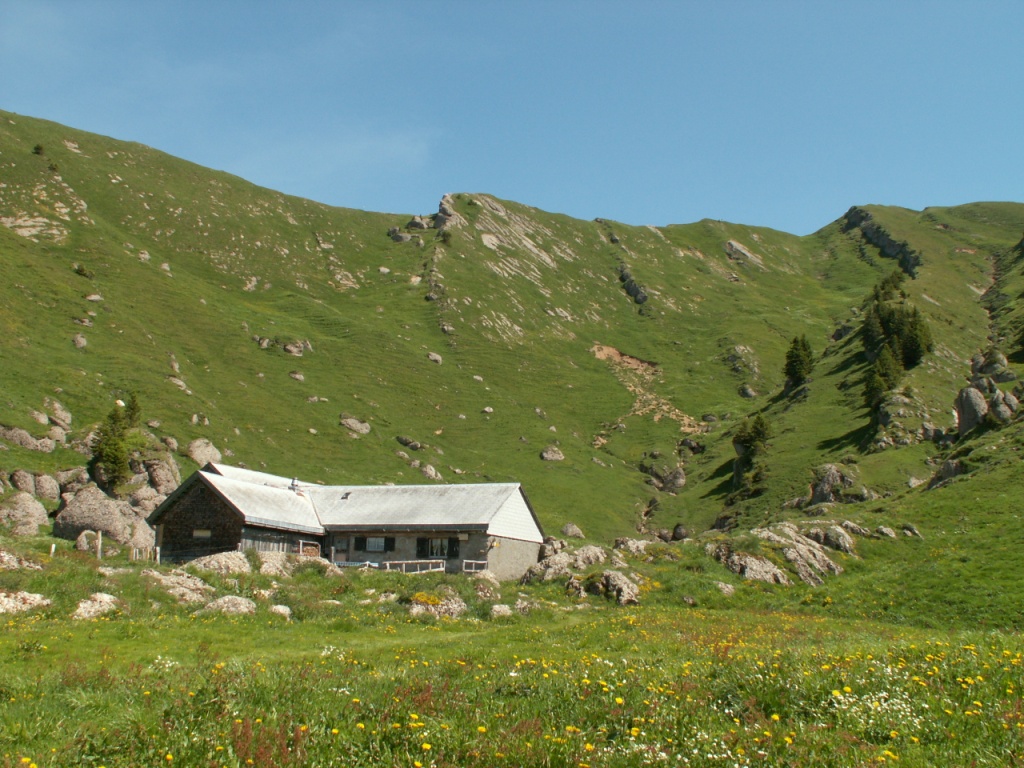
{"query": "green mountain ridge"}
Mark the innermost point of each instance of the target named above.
(614, 343)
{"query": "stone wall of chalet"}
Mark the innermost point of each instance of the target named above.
(199, 509)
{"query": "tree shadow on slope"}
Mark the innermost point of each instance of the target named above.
(855, 438)
(725, 485)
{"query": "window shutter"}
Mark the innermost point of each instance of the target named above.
(453, 546)
(422, 548)
(359, 544)
(389, 543)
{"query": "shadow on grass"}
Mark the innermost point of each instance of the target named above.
(725, 485)
(855, 438)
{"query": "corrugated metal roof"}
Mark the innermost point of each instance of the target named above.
(499, 509)
(273, 507)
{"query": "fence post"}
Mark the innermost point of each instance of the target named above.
(157, 555)
(99, 545)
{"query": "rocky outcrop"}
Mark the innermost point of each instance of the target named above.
(829, 482)
(20, 437)
(450, 606)
(749, 566)
(950, 468)
(92, 510)
(182, 586)
(572, 531)
(807, 556)
(23, 515)
(971, 408)
(223, 563)
(355, 425)
(232, 605)
(875, 234)
(552, 453)
(615, 585)
(20, 602)
(833, 537)
(96, 605)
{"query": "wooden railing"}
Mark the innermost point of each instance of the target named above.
(413, 566)
(474, 566)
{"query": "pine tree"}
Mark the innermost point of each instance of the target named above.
(887, 367)
(799, 360)
(110, 452)
(133, 411)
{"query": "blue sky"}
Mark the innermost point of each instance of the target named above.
(780, 114)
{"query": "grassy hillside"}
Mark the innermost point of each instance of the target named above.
(172, 271)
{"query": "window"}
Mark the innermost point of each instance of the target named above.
(373, 543)
(201, 533)
(437, 548)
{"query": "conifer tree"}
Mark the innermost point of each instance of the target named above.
(110, 452)
(799, 360)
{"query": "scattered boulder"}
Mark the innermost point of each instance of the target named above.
(499, 611)
(223, 563)
(971, 409)
(47, 487)
(808, 556)
(23, 514)
(885, 531)
(749, 566)
(679, 532)
(232, 605)
(12, 562)
(588, 555)
(164, 475)
(833, 537)
(79, 341)
(615, 585)
(856, 529)
(297, 375)
(281, 610)
(435, 358)
(552, 453)
(355, 425)
(203, 452)
(182, 586)
(92, 510)
(1001, 407)
(829, 482)
(23, 481)
(572, 531)
(450, 606)
(950, 468)
(726, 589)
(22, 438)
(431, 473)
(909, 529)
(20, 602)
(408, 442)
(635, 547)
(96, 605)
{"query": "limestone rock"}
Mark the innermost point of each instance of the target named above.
(47, 487)
(11, 562)
(96, 605)
(164, 476)
(72, 480)
(92, 510)
(950, 468)
(999, 410)
(79, 341)
(885, 531)
(435, 358)
(431, 473)
(499, 611)
(726, 589)
(281, 610)
(182, 586)
(971, 408)
(24, 514)
(621, 587)
(23, 481)
(355, 425)
(451, 606)
(856, 529)
(588, 555)
(632, 546)
(807, 555)
(203, 452)
(749, 566)
(572, 531)
(20, 602)
(20, 437)
(833, 537)
(232, 605)
(552, 453)
(223, 563)
(829, 482)
(679, 532)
